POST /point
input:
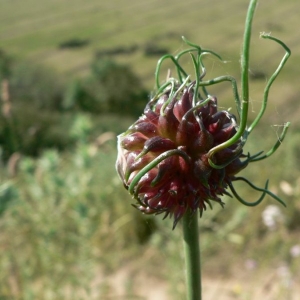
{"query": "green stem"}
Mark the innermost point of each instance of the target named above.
(245, 82)
(192, 256)
(271, 80)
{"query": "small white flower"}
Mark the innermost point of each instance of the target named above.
(272, 216)
(286, 188)
(295, 251)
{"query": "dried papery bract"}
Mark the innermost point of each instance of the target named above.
(184, 152)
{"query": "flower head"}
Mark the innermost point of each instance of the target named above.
(183, 152)
(172, 139)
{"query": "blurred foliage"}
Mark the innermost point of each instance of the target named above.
(73, 43)
(36, 86)
(30, 132)
(72, 222)
(62, 222)
(43, 108)
(111, 88)
(5, 65)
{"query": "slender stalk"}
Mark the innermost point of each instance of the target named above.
(245, 57)
(192, 256)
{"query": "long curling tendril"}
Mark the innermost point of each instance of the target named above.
(196, 53)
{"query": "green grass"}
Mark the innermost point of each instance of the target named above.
(63, 227)
(67, 223)
(33, 29)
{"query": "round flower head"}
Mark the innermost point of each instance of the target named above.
(183, 152)
(171, 140)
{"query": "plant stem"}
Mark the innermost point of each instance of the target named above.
(245, 64)
(192, 256)
(245, 57)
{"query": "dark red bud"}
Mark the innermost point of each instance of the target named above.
(202, 171)
(204, 140)
(162, 100)
(133, 142)
(168, 124)
(214, 127)
(158, 144)
(235, 167)
(150, 115)
(227, 154)
(225, 133)
(186, 133)
(145, 128)
(134, 164)
(208, 110)
(213, 106)
(222, 117)
(143, 185)
(182, 106)
(203, 143)
(165, 168)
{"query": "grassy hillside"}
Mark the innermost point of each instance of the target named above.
(34, 29)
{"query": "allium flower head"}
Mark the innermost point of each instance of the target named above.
(184, 152)
(172, 139)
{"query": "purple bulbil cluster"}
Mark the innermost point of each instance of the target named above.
(163, 157)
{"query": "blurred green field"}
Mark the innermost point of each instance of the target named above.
(68, 230)
(34, 29)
